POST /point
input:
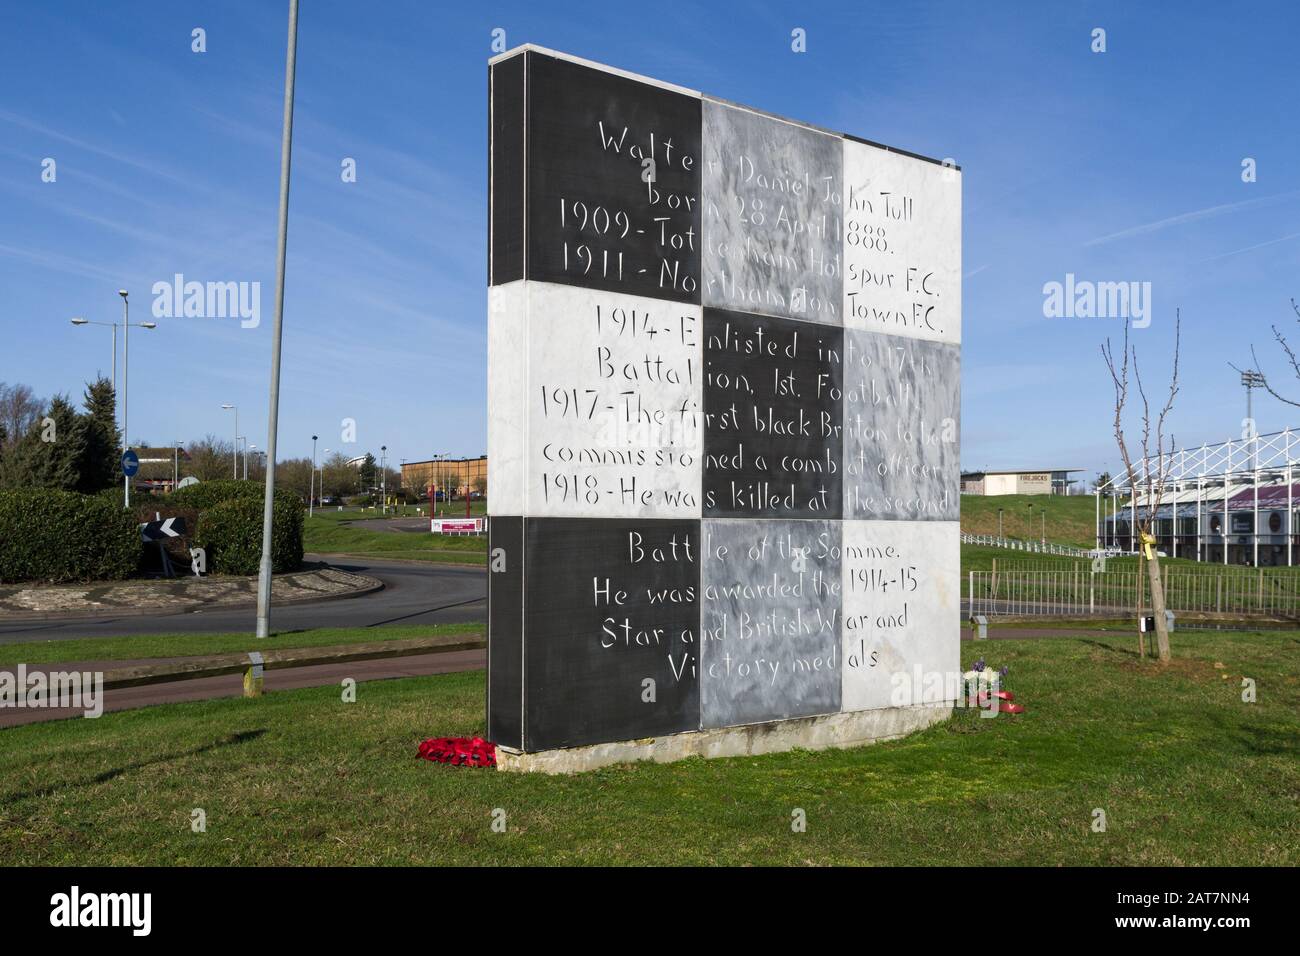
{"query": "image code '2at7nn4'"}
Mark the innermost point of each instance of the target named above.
(724, 413)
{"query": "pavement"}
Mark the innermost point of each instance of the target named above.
(232, 685)
(996, 633)
(414, 592)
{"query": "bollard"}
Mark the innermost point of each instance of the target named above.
(253, 676)
(979, 627)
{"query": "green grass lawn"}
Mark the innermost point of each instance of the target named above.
(448, 509)
(1186, 773)
(1071, 519)
(191, 645)
(335, 532)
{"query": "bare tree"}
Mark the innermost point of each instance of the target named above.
(1149, 484)
(293, 473)
(19, 410)
(209, 458)
(337, 477)
(1290, 357)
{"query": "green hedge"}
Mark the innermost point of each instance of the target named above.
(208, 493)
(230, 526)
(116, 496)
(59, 536)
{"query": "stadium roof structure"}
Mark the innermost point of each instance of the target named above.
(1262, 461)
(1019, 471)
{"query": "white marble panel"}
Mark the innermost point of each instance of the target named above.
(507, 377)
(612, 405)
(901, 612)
(902, 244)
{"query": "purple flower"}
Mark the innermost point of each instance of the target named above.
(979, 664)
(1004, 670)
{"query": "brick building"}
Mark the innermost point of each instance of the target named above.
(461, 475)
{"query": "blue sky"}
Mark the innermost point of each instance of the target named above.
(1115, 166)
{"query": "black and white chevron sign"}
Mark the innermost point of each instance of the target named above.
(162, 530)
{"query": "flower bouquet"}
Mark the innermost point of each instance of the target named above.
(460, 751)
(983, 682)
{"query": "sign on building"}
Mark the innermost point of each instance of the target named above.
(724, 361)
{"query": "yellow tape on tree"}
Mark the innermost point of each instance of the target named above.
(1148, 546)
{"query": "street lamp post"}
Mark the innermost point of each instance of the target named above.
(311, 495)
(383, 479)
(273, 417)
(176, 462)
(126, 324)
(228, 406)
(126, 435)
(322, 471)
(112, 325)
(126, 365)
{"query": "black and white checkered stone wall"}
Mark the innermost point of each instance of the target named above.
(724, 403)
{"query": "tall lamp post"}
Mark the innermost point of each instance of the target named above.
(438, 457)
(126, 325)
(311, 495)
(383, 479)
(1252, 380)
(112, 325)
(228, 407)
(322, 471)
(126, 381)
(176, 462)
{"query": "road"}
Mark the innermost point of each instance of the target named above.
(414, 593)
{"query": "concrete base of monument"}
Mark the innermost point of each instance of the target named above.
(855, 729)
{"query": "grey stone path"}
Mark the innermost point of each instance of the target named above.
(20, 601)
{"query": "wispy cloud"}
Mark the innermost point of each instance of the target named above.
(1194, 216)
(152, 168)
(58, 263)
(1258, 245)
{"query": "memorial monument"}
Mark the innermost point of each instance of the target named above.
(723, 420)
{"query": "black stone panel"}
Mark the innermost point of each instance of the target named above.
(592, 219)
(611, 604)
(773, 417)
(506, 171)
(505, 706)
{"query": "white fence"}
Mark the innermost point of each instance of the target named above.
(1029, 547)
(1120, 591)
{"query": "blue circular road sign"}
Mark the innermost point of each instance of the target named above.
(130, 463)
